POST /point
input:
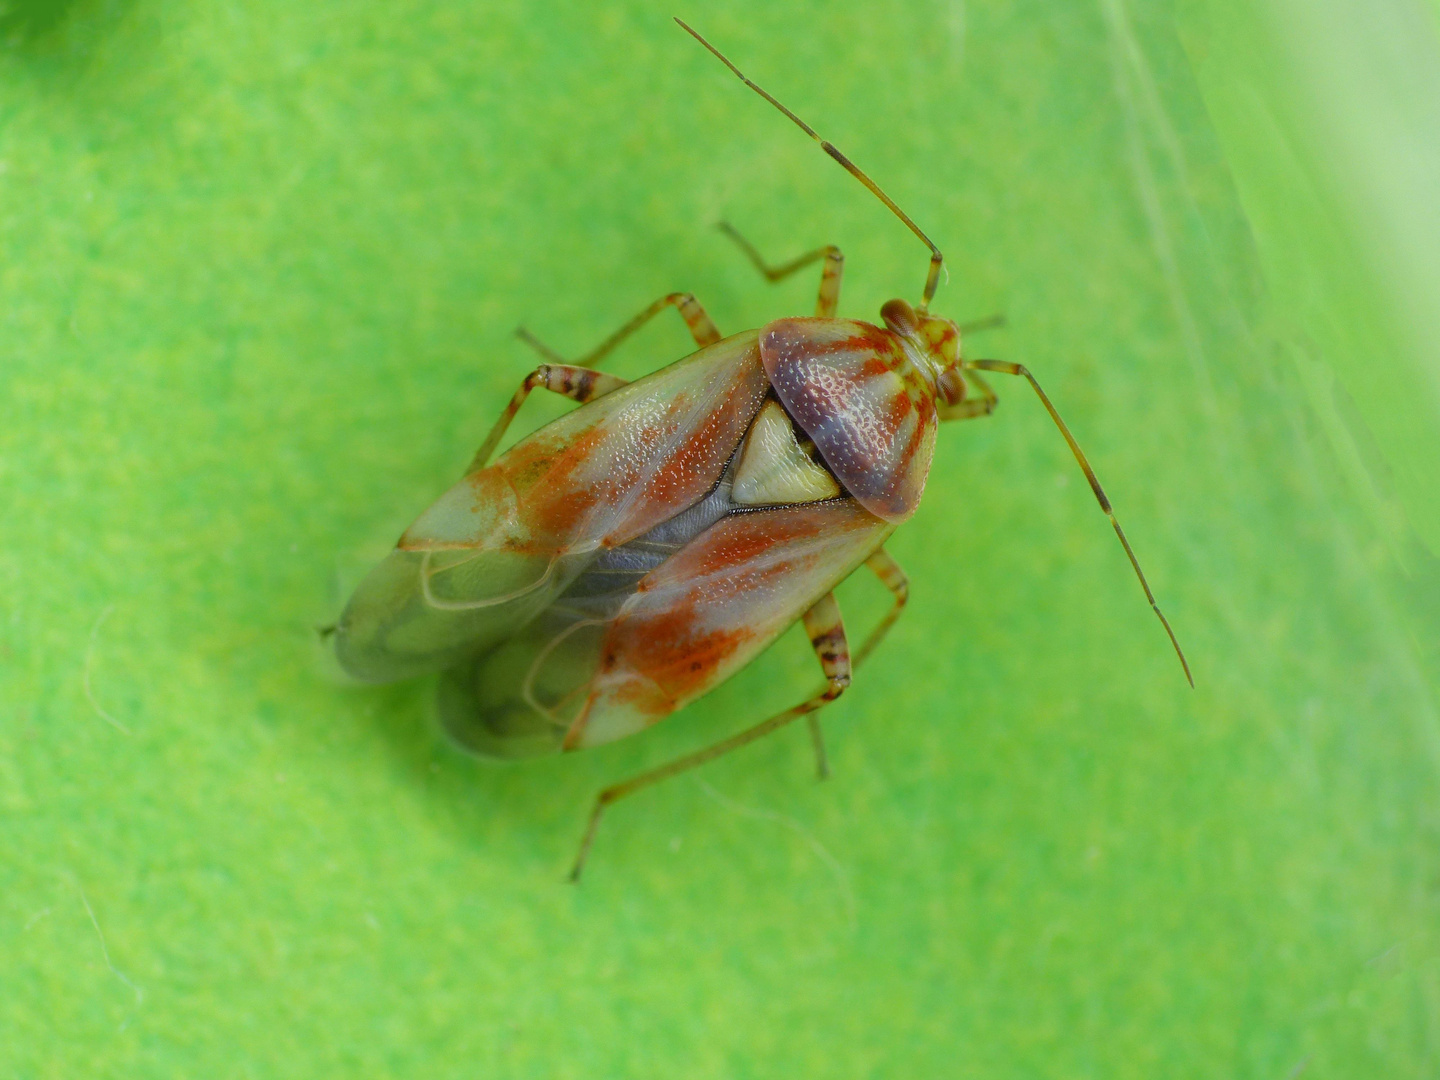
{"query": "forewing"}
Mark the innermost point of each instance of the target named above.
(519, 699)
(495, 550)
(853, 390)
(709, 610)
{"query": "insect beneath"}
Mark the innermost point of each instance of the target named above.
(628, 557)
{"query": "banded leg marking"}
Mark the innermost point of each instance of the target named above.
(827, 635)
(701, 329)
(894, 579)
(827, 638)
(577, 383)
(830, 273)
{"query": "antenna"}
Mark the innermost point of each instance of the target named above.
(932, 279)
(1009, 368)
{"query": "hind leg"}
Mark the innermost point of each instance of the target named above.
(827, 637)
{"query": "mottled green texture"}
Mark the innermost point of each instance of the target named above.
(259, 266)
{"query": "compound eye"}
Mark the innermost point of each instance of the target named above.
(950, 386)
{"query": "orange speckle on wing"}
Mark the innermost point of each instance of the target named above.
(558, 496)
(694, 463)
(540, 460)
(740, 547)
(671, 650)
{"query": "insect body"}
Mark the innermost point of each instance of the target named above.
(625, 559)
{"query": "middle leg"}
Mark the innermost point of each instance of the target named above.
(830, 274)
(580, 381)
(698, 322)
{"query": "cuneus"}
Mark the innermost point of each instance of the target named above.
(628, 557)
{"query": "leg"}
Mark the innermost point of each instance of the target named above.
(967, 408)
(984, 405)
(701, 329)
(817, 744)
(577, 383)
(827, 635)
(894, 579)
(975, 326)
(830, 274)
(580, 381)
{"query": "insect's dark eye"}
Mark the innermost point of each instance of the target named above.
(950, 386)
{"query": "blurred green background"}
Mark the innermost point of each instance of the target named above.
(259, 268)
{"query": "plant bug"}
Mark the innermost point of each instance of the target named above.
(628, 557)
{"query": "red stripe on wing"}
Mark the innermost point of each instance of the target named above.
(708, 610)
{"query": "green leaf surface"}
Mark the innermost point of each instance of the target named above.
(260, 266)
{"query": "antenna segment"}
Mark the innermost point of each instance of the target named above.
(932, 279)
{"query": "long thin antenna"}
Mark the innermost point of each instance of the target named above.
(932, 279)
(1008, 368)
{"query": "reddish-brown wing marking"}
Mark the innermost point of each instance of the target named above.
(497, 548)
(597, 667)
(866, 404)
(708, 611)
